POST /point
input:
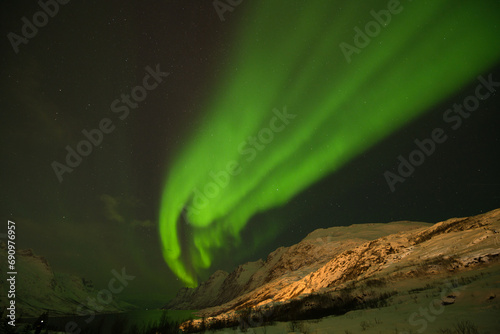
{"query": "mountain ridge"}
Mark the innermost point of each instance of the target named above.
(319, 245)
(39, 289)
(340, 270)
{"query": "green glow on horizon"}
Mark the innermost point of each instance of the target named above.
(289, 55)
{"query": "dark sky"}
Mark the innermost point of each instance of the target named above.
(104, 214)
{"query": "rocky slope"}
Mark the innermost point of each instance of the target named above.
(285, 265)
(39, 289)
(327, 260)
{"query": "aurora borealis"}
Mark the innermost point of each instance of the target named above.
(288, 58)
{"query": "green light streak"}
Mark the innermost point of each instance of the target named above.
(290, 55)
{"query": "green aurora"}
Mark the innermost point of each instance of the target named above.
(287, 58)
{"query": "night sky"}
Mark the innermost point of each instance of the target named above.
(105, 213)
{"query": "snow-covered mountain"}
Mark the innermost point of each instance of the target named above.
(285, 265)
(330, 260)
(39, 289)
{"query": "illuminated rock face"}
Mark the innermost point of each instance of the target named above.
(284, 265)
(327, 259)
